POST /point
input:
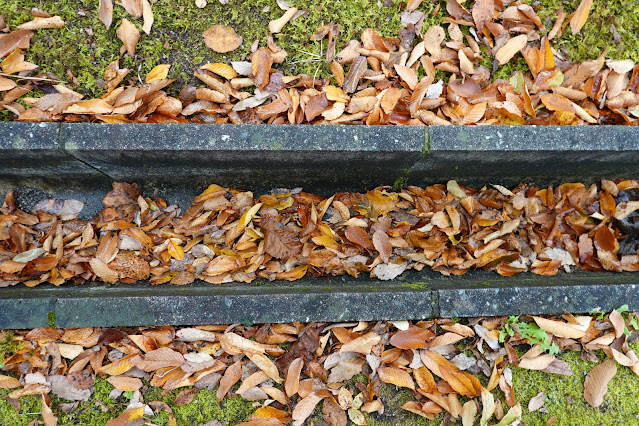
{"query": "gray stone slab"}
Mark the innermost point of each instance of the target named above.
(313, 299)
(318, 158)
(539, 155)
(482, 293)
(32, 162)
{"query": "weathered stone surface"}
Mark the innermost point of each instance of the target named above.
(181, 160)
(540, 155)
(481, 293)
(32, 162)
(312, 299)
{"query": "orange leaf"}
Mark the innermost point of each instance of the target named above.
(129, 34)
(261, 62)
(413, 338)
(382, 244)
(231, 376)
(396, 376)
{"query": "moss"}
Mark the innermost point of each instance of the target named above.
(89, 412)
(8, 345)
(30, 409)
(51, 320)
(203, 408)
(597, 34)
(621, 403)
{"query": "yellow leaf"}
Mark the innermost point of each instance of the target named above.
(175, 251)
(248, 216)
(158, 73)
(223, 70)
(580, 16)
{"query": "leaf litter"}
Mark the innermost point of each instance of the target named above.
(230, 235)
(243, 360)
(374, 79)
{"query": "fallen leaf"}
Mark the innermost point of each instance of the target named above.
(105, 12)
(40, 23)
(222, 39)
(129, 35)
(396, 376)
(537, 401)
(305, 408)
(482, 11)
(511, 48)
(261, 61)
(292, 383)
(596, 384)
(232, 374)
(580, 16)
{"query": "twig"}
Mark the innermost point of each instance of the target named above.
(32, 78)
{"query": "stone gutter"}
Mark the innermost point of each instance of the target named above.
(176, 162)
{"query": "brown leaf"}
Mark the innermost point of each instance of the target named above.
(40, 23)
(359, 236)
(7, 382)
(222, 39)
(292, 383)
(425, 379)
(160, 358)
(231, 376)
(261, 63)
(147, 13)
(130, 417)
(363, 344)
(483, 11)
(280, 241)
(15, 40)
(105, 12)
(408, 75)
(382, 244)
(355, 72)
(617, 322)
(47, 413)
(580, 16)
(266, 365)
(396, 376)
(413, 338)
(596, 384)
(559, 329)
(185, 396)
(103, 271)
(334, 415)
(129, 34)
(133, 7)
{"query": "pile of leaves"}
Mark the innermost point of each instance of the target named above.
(229, 235)
(440, 361)
(375, 80)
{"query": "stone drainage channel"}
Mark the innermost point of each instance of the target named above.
(177, 162)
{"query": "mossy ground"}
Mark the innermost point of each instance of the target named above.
(564, 399)
(85, 47)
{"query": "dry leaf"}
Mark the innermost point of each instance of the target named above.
(511, 48)
(559, 329)
(125, 384)
(483, 11)
(596, 384)
(129, 34)
(261, 61)
(147, 13)
(160, 72)
(363, 344)
(222, 39)
(40, 23)
(232, 374)
(105, 12)
(580, 16)
(305, 408)
(292, 383)
(396, 376)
